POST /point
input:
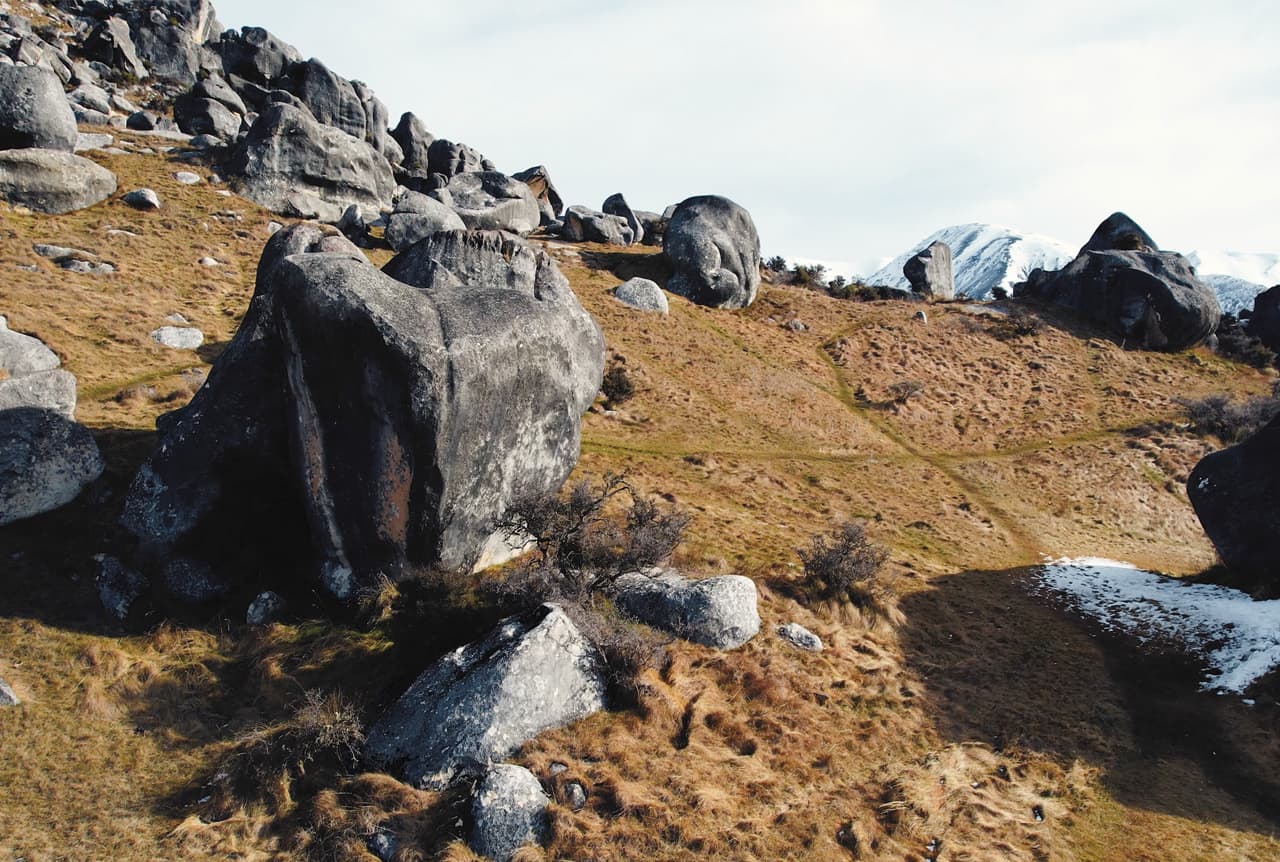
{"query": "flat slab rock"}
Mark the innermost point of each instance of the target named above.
(482, 701)
(721, 612)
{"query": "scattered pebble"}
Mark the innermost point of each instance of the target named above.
(187, 178)
(209, 261)
(176, 319)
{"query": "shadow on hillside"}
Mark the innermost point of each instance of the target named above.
(627, 265)
(211, 350)
(1003, 667)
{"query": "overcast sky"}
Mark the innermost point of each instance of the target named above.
(850, 129)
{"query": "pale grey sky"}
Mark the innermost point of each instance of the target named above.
(849, 128)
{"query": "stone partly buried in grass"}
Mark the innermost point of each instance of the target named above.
(484, 700)
(364, 423)
(721, 612)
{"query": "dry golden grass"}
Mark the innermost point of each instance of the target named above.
(954, 721)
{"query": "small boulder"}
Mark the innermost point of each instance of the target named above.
(582, 224)
(417, 216)
(46, 460)
(187, 178)
(265, 608)
(34, 113)
(643, 294)
(714, 252)
(508, 811)
(53, 182)
(720, 612)
(929, 272)
(450, 159)
(142, 199)
(799, 636)
(200, 116)
(178, 337)
(91, 96)
(143, 121)
(482, 701)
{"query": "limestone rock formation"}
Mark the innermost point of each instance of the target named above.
(488, 200)
(508, 811)
(582, 224)
(616, 205)
(484, 700)
(929, 272)
(417, 216)
(643, 294)
(53, 181)
(1264, 323)
(720, 612)
(538, 179)
(34, 113)
(476, 363)
(46, 460)
(256, 55)
(31, 375)
(714, 251)
(1236, 495)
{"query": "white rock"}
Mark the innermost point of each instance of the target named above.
(799, 636)
(187, 178)
(143, 199)
(178, 337)
(720, 612)
(508, 811)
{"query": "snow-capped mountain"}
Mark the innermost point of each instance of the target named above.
(1237, 277)
(983, 257)
(988, 256)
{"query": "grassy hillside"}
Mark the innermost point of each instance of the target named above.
(974, 723)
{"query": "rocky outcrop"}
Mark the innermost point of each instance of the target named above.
(31, 375)
(476, 365)
(1145, 298)
(1236, 495)
(1264, 322)
(714, 251)
(52, 181)
(330, 97)
(34, 113)
(417, 216)
(508, 811)
(538, 179)
(295, 166)
(719, 612)
(111, 43)
(415, 144)
(170, 36)
(488, 200)
(643, 294)
(257, 56)
(586, 225)
(616, 205)
(450, 159)
(929, 272)
(46, 460)
(482, 701)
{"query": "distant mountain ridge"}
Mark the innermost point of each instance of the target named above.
(988, 256)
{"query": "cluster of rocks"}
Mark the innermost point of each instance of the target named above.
(46, 458)
(1123, 282)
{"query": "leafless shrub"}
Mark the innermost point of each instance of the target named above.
(1231, 421)
(845, 566)
(904, 390)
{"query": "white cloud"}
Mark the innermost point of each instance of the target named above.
(849, 129)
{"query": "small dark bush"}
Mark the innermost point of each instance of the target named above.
(845, 566)
(809, 276)
(999, 293)
(1018, 323)
(1231, 421)
(617, 386)
(904, 390)
(777, 264)
(1236, 344)
(581, 548)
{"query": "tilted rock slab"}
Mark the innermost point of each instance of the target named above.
(929, 272)
(484, 700)
(714, 251)
(362, 423)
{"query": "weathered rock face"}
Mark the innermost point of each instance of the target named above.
(1236, 495)
(617, 205)
(715, 252)
(450, 159)
(482, 701)
(643, 294)
(538, 179)
(376, 118)
(415, 142)
(1145, 298)
(655, 227)
(1264, 323)
(1118, 232)
(256, 55)
(34, 113)
(417, 216)
(330, 97)
(586, 225)
(293, 165)
(52, 181)
(508, 811)
(31, 376)
(488, 200)
(111, 43)
(476, 363)
(197, 116)
(930, 272)
(169, 36)
(45, 462)
(213, 87)
(719, 612)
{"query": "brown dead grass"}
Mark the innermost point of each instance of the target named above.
(955, 723)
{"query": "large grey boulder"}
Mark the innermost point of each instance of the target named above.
(417, 216)
(582, 224)
(45, 462)
(714, 252)
(200, 116)
(488, 200)
(213, 87)
(719, 612)
(170, 35)
(929, 272)
(1236, 494)
(111, 43)
(34, 113)
(617, 205)
(508, 811)
(293, 165)
(1264, 322)
(415, 143)
(643, 294)
(450, 159)
(52, 181)
(476, 363)
(256, 55)
(31, 375)
(482, 701)
(1144, 298)
(538, 179)
(330, 97)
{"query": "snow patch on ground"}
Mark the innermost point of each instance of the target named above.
(1237, 637)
